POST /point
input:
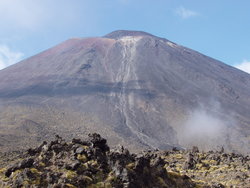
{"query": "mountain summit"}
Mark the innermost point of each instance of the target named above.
(125, 33)
(134, 88)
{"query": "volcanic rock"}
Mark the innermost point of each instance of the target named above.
(117, 167)
(134, 88)
(100, 169)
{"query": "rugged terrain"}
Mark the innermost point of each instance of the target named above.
(91, 163)
(132, 87)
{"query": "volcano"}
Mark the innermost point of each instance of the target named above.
(132, 87)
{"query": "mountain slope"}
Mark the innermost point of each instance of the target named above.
(145, 90)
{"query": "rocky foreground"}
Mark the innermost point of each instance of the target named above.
(91, 163)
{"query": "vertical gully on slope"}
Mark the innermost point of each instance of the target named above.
(125, 74)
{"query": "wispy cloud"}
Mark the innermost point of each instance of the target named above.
(29, 14)
(26, 14)
(185, 13)
(244, 66)
(8, 57)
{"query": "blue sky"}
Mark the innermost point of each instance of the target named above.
(219, 29)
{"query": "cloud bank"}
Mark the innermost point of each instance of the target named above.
(244, 66)
(185, 13)
(8, 57)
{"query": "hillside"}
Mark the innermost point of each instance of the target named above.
(132, 87)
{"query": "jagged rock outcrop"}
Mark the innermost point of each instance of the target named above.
(91, 163)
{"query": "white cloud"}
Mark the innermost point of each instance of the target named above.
(32, 15)
(244, 66)
(185, 13)
(23, 13)
(8, 57)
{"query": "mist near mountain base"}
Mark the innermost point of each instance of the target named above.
(205, 130)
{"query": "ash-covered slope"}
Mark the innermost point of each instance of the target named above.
(145, 91)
